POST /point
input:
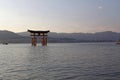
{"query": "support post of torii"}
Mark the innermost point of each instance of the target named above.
(43, 35)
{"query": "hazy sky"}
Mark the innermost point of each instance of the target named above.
(60, 15)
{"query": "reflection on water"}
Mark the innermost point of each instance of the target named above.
(70, 61)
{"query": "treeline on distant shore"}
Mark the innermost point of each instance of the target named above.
(24, 37)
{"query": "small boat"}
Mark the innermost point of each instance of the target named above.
(118, 42)
(5, 43)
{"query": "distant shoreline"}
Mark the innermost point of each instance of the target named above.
(61, 42)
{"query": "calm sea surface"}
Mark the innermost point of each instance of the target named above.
(60, 61)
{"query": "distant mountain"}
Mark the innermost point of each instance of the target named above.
(8, 36)
(24, 34)
(24, 37)
(107, 36)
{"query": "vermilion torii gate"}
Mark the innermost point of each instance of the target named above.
(43, 35)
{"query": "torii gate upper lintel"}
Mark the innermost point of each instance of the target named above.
(43, 35)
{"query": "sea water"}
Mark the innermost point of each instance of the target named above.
(60, 61)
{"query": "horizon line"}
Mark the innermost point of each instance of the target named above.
(65, 32)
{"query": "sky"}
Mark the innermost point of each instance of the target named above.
(60, 15)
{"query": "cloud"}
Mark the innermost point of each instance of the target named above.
(100, 7)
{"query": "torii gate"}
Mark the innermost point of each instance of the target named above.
(43, 35)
